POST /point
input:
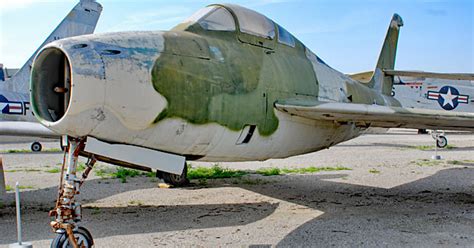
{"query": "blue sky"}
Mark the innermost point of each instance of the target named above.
(438, 34)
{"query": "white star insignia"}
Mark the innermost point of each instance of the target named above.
(448, 98)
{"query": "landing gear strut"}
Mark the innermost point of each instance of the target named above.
(68, 212)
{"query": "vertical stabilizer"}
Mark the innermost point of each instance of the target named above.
(379, 81)
(81, 20)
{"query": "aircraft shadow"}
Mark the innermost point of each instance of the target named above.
(429, 211)
(404, 146)
(130, 219)
(354, 215)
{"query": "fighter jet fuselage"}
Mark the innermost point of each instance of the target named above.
(203, 91)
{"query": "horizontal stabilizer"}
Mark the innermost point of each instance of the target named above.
(30, 129)
(365, 115)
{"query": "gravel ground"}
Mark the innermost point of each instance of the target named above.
(389, 198)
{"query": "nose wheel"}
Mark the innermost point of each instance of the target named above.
(68, 211)
(82, 236)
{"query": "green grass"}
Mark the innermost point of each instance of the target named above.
(427, 162)
(313, 169)
(269, 171)
(11, 188)
(304, 170)
(374, 171)
(120, 173)
(81, 167)
(123, 173)
(214, 172)
(53, 170)
(29, 151)
(429, 148)
(135, 203)
(217, 171)
(202, 174)
(22, 170)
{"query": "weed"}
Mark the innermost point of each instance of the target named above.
(53, 170)
(313, 169)
(426, 162)
(123, 173)
(374, 171)
(29, 151)
(22, 170)
(214, 172)
(10, 188)
(429, 148)
(268, 171)
(137, 203)
(95, 210)
(81, 167)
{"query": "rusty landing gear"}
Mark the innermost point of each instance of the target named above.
(67, 212)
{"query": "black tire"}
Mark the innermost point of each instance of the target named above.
(83, 235)
(175, 180)
(36, 146)
(441, 142)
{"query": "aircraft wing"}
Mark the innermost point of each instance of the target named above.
(448, 76)
(21, 128)
(365, 76)
(365, 115)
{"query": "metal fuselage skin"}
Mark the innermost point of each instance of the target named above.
(196, 93)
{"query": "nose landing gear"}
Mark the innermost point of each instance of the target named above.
(67, 212)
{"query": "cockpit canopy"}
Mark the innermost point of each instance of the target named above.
(230, 18)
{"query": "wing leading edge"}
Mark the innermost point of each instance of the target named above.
(365, 115)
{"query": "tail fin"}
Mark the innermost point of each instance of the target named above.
(81, 20)
(379, 80)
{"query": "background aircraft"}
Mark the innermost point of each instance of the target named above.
(423, 90)
(16, 118)
(227, 84)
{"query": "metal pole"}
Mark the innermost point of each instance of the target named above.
(20, 243)
(2, 179)
(18, 212)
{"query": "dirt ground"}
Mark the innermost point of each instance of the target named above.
(393, 196)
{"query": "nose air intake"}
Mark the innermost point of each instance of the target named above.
(51, 84)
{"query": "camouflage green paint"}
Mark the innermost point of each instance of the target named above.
(232, 84)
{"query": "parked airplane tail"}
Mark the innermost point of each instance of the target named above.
(82, 19)
(379, 80)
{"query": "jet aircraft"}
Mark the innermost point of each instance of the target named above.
(16, 117)
(227, 84)
(424, 90)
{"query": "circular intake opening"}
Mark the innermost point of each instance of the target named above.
(50, 84)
